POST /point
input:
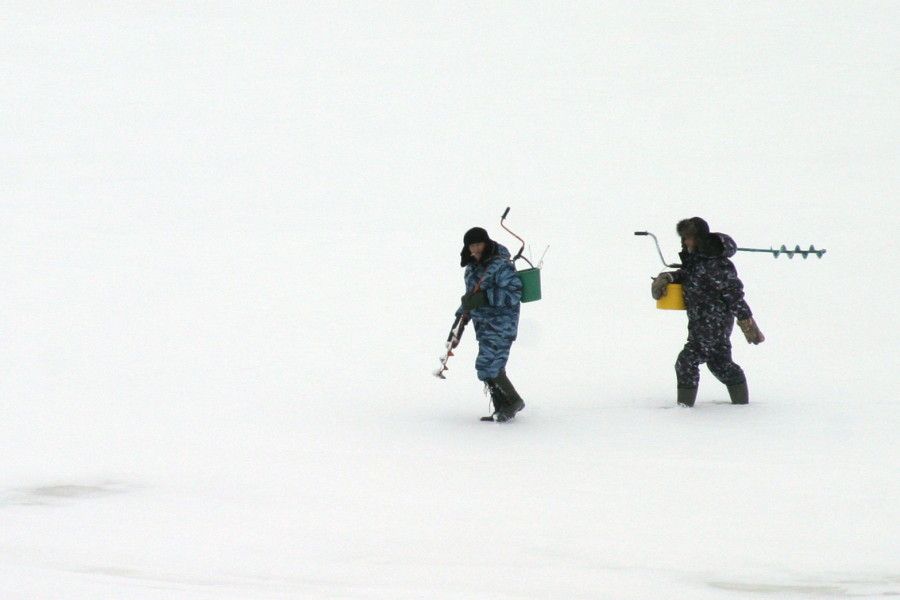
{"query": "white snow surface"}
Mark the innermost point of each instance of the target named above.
(229, 238)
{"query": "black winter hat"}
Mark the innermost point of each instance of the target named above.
(694, 227)
(474, 236)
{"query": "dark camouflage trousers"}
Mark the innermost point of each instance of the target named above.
(714, 295)
(712, 346)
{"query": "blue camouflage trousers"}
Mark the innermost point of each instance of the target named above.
(492, 357)
(493, 350)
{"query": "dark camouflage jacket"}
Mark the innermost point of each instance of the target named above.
(713, 293)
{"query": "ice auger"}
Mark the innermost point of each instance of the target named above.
(452, 341)
(775, 253)
(790, 253)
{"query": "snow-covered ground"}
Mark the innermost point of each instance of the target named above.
(600, 498)
(229, 244)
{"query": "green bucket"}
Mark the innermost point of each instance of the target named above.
(531, 284)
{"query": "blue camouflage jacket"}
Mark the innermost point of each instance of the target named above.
(502, 289)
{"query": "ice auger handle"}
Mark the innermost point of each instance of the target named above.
(658, 250)
(522, 249)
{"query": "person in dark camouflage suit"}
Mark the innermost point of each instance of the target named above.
(714, 297)
(491, 301)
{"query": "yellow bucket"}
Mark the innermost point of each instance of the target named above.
(674, 298)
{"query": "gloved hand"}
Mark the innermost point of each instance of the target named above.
(751, 331)
(473, 300)
(659, 285)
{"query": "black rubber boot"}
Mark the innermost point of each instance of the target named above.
(687, 396)
(497, 398)
(512, 396)
(511, 402)
(739, 393)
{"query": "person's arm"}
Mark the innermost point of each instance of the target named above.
(503, 287)
(732, 290)
(462, 308)
(678, 276)
(659, 287)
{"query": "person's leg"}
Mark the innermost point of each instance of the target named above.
(739, 393)
(513, 401)
(498, 399)
(727, 371)
(493, 354)
(687, 373)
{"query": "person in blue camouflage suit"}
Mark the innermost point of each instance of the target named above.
(714, 297)
(491, 302)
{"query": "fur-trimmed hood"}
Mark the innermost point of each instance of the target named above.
(717, 245)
